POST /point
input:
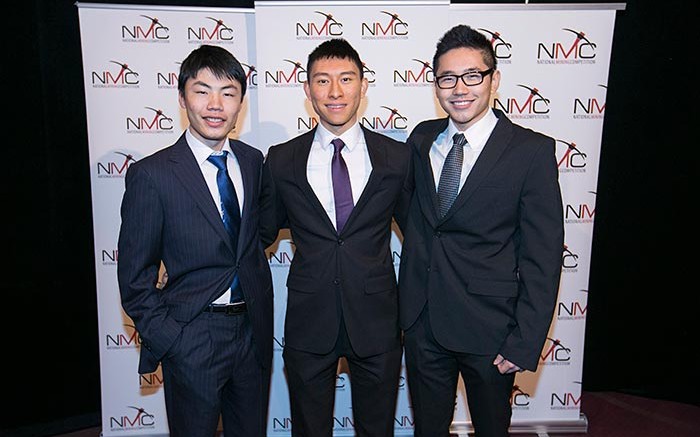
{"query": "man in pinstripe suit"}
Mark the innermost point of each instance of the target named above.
(211, 324)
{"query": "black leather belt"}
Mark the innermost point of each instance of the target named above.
(229, 310)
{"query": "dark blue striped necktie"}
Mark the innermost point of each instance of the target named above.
(231, 212)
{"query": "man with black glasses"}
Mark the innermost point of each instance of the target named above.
(482, 248)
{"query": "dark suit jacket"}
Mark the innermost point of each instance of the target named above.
(351, 274)
(490, 268)
(168, 214)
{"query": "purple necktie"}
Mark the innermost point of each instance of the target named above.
(342, 191)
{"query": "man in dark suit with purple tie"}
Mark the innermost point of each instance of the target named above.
(337, 188)
(193, 207)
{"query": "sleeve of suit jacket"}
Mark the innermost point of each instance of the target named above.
(404, 200)
(140, 240)
(540, 239)
(273, 215)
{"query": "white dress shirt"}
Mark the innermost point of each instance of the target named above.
(318, 167)
(476, 136)
(201, 152)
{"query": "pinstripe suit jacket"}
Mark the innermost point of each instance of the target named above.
(168, 215)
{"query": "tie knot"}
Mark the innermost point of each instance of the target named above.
(458, 139)
(218, 160)
(338, 144)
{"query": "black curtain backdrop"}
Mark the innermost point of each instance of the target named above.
(641, 336)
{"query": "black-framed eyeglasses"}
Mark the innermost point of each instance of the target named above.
(470, 78)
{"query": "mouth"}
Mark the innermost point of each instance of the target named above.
(214, 121)
(462, 103)
(335, 107)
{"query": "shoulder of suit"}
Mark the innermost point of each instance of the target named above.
(289, 145)
(157, 163)
(245, 147)
(426, 127)
(429, 125)
(523, 133)
(158, 157)
(371, 136)
(531, 136)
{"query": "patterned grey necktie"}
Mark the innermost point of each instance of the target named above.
(448, 187)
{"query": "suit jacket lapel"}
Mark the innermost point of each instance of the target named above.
(377, 156)
(302, 148)
(496, 144)
(429, 201)
(187, 170)
(246, 164)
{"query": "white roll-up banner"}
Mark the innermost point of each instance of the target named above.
(554, 60)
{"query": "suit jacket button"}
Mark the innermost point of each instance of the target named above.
(428, 269)
(336, 281)
(437, 234)
(340, 242)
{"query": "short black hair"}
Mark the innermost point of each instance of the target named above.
(217, 60)
(465, 36)
(336, 48)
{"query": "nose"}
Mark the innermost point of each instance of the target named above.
(214, 102)
(335, 90)
(461, 87)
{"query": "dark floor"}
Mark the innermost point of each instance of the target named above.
(609, 415)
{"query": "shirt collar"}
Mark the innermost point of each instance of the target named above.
(350, 137)
(200, 150)
(477, 134)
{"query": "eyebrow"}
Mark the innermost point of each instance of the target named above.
(342, 73)
(468, 70)
(206, 85)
